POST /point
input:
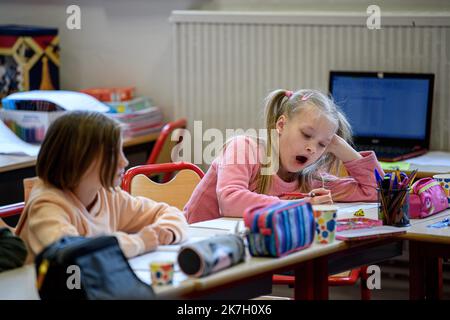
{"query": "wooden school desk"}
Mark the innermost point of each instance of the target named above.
(427, 248)
(13, 169)
(435, 162)
(429, 171)
(311, 266)
(249, 279)
(253, 277)
(425, 171)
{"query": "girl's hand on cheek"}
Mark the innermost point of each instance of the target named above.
(335, 144)
(342, 150)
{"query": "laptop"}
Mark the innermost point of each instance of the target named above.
(390, 113)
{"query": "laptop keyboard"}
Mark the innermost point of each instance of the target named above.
(385, 151)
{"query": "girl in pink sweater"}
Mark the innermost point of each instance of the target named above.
(80, 166)
(307, 137)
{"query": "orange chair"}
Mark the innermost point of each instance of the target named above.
(347, 278)
(16, 209)
(161, 152)
(175, 192)
(11, 210)
(8, 211)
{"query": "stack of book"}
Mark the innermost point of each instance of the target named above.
(140, 122)
(138, 115)
(120, 100)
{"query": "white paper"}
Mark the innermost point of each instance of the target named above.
(432, 158)
(375, 231)
(228, 224)
(206, 232)
(68, 100)
(177, 247)
(12, 144)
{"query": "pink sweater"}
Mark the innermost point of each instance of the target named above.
(51, 213)
(229, 188)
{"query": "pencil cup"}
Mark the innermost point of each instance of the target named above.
(325, 219)
(162, 272)
(444, 180)
(393, 207)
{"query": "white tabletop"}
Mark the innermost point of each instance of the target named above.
(421, 231)
(250, 267)
(19, 283)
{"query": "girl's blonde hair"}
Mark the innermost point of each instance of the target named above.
(283, 102)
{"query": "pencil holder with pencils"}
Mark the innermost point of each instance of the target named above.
(393, 207)
(393, 197)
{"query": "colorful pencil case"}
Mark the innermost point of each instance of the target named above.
(426, 198)
(280, 228)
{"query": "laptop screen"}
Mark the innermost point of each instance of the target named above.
(380, 105)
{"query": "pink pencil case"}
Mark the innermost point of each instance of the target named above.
(426, 198)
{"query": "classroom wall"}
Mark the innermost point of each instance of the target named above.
(121, 43)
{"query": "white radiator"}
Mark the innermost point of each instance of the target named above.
(226, 63)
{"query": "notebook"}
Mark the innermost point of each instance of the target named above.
(369, 233)
(390, 113)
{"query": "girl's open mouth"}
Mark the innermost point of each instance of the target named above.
(301, 159)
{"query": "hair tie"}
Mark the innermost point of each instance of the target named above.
(306, 96)
(288, 94)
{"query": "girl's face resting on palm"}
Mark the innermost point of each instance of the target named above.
(304, 138)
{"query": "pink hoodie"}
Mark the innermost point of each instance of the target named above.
(229, 188)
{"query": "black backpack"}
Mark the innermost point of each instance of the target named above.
(12, 250)
(79, 268)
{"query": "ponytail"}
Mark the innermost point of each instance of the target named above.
(274, 108)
